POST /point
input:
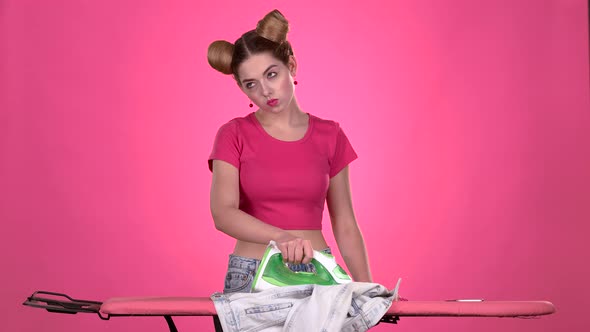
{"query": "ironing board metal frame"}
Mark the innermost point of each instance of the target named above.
(203, 306)
(69, 305)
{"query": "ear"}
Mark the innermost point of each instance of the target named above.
(292, 66)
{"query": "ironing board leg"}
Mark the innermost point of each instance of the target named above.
(171, 325)
(217, 324)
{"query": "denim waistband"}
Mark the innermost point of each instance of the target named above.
(251, 264)
(241, 271)
(243, 263)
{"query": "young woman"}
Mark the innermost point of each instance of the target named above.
(274, 168)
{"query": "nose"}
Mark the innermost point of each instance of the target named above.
(265, 89)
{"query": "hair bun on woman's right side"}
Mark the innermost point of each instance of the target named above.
(274, 26)
(220, 55)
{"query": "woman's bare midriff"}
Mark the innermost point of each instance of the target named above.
(256, 250)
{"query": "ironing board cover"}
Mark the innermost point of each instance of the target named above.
(203, 306)
(159, 306)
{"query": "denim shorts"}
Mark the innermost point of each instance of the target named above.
(241, 271)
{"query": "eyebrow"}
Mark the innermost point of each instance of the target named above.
(267, 69)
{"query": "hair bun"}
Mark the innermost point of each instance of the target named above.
(274, 26)
(219, 55)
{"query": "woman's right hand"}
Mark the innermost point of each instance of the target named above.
(295, 250)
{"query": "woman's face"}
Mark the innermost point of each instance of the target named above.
(267, 81)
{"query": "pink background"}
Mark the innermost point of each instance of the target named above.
(471, 121)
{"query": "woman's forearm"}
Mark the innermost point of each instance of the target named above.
(352, 248)
(242, 226)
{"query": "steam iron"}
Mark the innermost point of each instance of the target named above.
(273, 272)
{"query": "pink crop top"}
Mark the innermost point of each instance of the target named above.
(283, 183)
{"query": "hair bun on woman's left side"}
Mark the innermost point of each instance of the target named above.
(220, 55)
(274, 26)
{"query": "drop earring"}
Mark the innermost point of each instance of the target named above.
(251, 105)
(295, 82)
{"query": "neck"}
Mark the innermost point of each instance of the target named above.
(290, 117)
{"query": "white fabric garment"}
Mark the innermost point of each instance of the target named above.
(355, 306)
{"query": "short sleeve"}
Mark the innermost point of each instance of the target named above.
(226, 146)
(343, 153)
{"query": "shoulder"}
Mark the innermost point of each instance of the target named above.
(235, 125)
(229, 141)
(236, 122)
(325, 126)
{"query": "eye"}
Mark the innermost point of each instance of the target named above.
(271, 74)
(250, 85)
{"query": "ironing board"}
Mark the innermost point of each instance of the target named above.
(203, 306)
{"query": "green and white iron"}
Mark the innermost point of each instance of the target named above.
(273, 272)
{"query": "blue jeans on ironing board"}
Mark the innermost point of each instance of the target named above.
(241, 271)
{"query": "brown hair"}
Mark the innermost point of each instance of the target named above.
(270, 35)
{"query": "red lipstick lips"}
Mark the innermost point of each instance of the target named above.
(272, 102)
